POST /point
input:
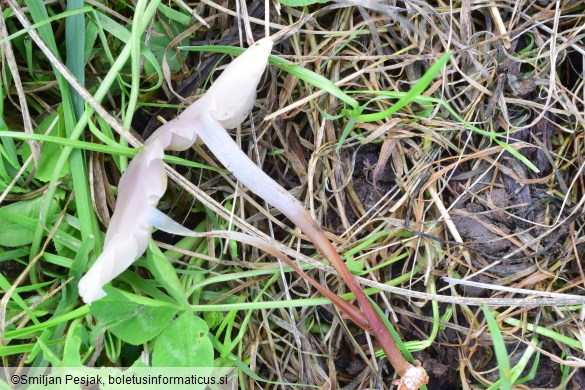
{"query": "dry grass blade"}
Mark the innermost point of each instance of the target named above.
(8, 56)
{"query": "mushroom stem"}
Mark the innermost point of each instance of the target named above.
(233, 159)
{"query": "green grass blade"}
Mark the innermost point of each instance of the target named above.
(165, 274)
(114, 149)
(346, 130)
(34, 329)
(83, 202)
(106, 24)
(5, 286)
(519, 368)
(7, 350)
(299, 71)
(500, 350)
(518, 155)
(425, 100)
(401, 346)
(75, 47)
(135, 56)
(68, 154)
(546, 332)
(408, 97)
(313, 78)
(47, 21)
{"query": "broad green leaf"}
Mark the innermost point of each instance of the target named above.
(73, 340)
(165, 274)
(128, 320)
(184, 343)
(50, 150)
(172, 14)
(13, 228)
(159, 42)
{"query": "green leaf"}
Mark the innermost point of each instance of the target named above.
(298, 71)
(50, 151)
(165, 274)
(172, 14)
(413, 93)
(355, 266)
(500, 350)
(122, 33)
(32, 331)
(401, 346)
(312, 78)
(75, 49)
(120, 150)
(71, 348)
(346, 130)
(13, 228)
(131, 322)
(518, 155)
(425, 100)
(184, 343)
(160, 40)
(7, 147)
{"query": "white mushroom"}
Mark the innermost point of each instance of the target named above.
(144, 182)
(225, 105)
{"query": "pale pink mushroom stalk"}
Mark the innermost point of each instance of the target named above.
(225, 105)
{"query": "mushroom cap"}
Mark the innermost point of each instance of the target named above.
(231, 97)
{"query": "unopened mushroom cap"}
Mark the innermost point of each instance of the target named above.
(232, 95)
